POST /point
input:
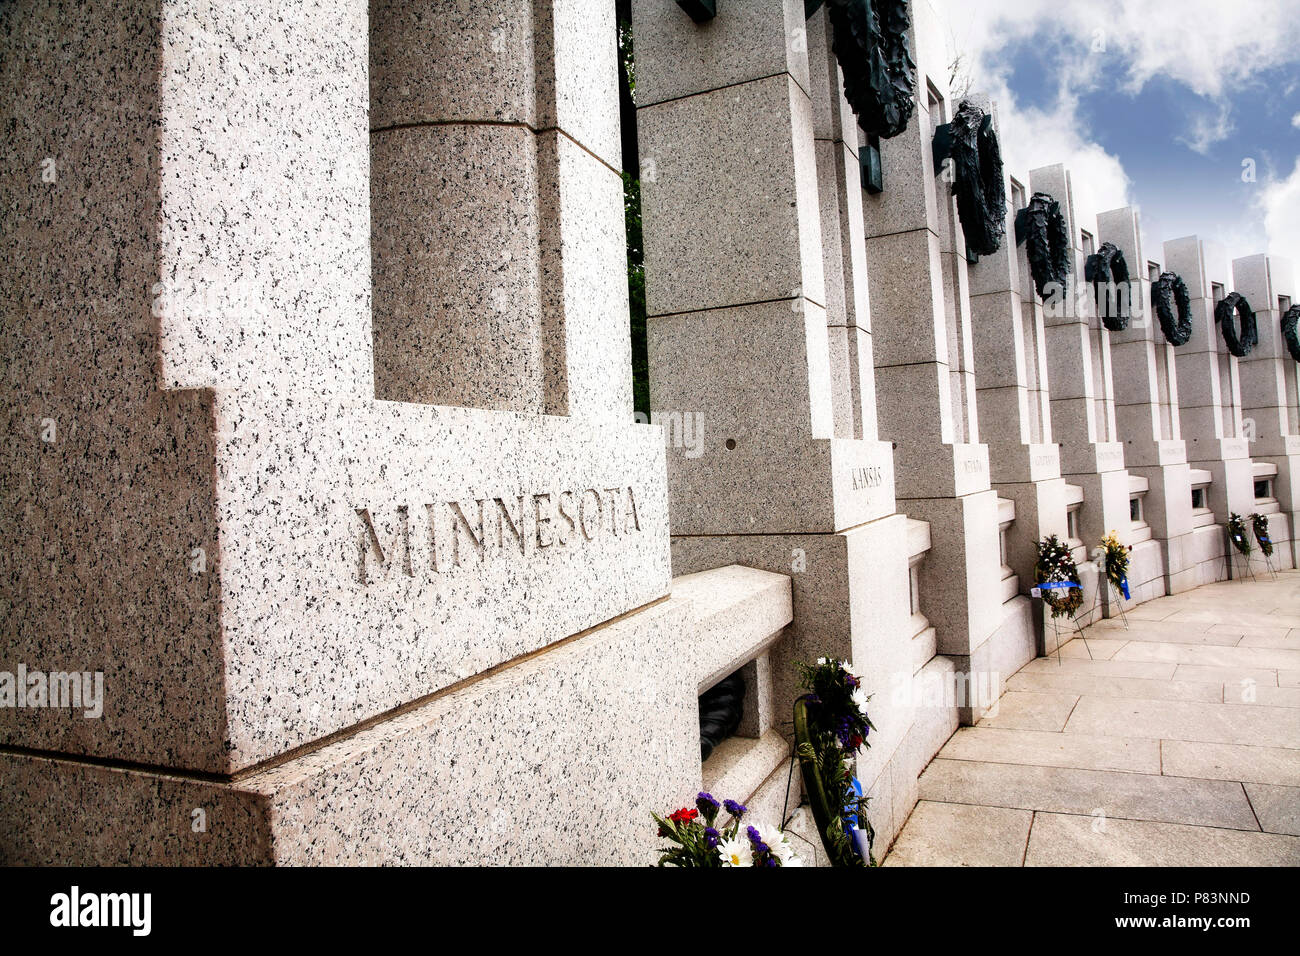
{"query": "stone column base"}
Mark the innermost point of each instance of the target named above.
(468, 776)
(851, 601)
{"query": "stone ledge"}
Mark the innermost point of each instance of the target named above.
(739, 611)
(299, 629)
(459, 780)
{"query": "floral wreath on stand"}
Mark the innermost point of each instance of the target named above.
(1259, 523)
(1237, 533)
(699, 842)
(1115, 560)
(830, 727)
(1053, 572)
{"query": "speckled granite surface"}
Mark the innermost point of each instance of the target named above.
(215, 522)
(517, 532)
(467, 777)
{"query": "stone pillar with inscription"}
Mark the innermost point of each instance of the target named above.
(1083, 412)
(1145, 379)
(1209, 404)
(1024, 462)
(1270, 399)
(923, 353)
(339, 593)
(759, 333)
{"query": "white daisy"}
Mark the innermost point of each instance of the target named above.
(736, 852)
(860, 699)
(777, 842)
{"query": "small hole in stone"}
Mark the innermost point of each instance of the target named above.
(731, 444)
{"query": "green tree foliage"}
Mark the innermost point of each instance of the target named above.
(635, 248)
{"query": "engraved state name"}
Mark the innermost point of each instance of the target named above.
(867, 476)
(442, 536)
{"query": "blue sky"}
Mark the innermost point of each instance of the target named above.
(1153, 102)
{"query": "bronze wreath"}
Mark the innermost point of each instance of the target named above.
(1042, 228)
(870, 43)
(1168, 293)
(1107, 270)
(1241, 344)
(972, 145)
(721, 710)
(1289, 319)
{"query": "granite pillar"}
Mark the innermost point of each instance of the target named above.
(1082, 404)
(925, 364)
(312, 561)
(1270, 400)
(1209, 397)
(1146, 400)
(1024, 463)
(759, 331)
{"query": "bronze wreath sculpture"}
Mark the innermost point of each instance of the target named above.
(1173, 307)
(1042, 228)
(972, 145)
(1239, 344)
(722, 707)
(1289, 319)
(870, 42)
(1107, 271)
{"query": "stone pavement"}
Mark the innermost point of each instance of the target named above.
(1174, 742)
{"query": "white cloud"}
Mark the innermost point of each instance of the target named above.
(1207, 130)
(1280, 203)
(1211, 48)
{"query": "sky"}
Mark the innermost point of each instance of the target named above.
(1187, 109)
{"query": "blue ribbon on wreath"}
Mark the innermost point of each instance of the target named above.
(1056, 585)
(852, 822)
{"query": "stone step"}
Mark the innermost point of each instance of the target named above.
(739, 612)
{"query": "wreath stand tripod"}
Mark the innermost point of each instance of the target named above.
(1268, 561)
(1113, 593)
(1037, 591)
(1115, 596)
(1243, 558)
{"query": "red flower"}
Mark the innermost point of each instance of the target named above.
(684, 815)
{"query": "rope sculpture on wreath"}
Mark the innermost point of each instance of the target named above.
(1169, 293)
(1239, 343)
(722, 707)
(972, 145)
(870, 42)
(1042, 228)
(1107, 271)
(1289, 319)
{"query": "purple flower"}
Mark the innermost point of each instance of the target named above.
(712, 837)
(706, 804)
(734, 808)
(762, 852)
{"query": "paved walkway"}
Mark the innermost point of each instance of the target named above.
(1175, 742)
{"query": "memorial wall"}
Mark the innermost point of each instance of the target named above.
(322, 466)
